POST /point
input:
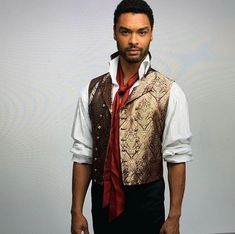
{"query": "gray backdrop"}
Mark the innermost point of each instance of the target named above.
(49, 49)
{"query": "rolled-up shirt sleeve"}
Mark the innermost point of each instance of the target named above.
(177, 135)
(81, 131)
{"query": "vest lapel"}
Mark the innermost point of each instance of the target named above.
(145, 86)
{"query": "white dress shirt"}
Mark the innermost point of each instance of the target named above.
(176, 136)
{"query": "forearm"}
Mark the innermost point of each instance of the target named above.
(80, 183)
(176, 179)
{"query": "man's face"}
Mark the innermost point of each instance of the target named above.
(133, 34)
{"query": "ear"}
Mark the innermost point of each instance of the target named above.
(151, 35)
(114, 33)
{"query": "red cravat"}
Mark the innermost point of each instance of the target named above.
(114, 196)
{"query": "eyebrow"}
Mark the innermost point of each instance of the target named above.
(128, 29)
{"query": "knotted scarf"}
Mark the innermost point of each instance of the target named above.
(113, 195)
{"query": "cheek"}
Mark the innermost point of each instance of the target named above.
(146, 42)
(122, 42)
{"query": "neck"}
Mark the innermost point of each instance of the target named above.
(129, 69)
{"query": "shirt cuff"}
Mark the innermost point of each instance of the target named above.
(81, 153)
(81, 159)
(178, 158)
(178, 155)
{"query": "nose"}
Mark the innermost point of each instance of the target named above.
(133, 39)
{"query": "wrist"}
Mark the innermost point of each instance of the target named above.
(174, 211)
(76, 212)
(174, 215)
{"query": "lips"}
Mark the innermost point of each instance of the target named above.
(133, 51)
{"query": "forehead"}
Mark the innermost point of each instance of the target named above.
(133, 21)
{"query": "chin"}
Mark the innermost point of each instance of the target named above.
(133, 59)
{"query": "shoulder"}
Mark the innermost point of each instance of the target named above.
(177, 90)
(160, 81)
(164, 77)
(160, 76)
(95, 81)
(100, 78)
(85, 90)
(177, 95)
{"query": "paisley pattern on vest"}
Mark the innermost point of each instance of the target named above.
(142, 122)
(100, 114)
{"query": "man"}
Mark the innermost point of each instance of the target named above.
(127, 121)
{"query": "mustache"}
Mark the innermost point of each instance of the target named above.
(133, 47)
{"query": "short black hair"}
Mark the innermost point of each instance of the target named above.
(133, 6)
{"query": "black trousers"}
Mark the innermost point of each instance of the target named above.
(144, 210)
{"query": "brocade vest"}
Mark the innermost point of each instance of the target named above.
(142, 122)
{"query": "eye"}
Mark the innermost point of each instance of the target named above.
(124, 32)
(143, 33)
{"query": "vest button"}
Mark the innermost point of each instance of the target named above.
(103, 105)
(95, 170)
(99, 127)
(95, 159)
(100, 115)
(96, 149)
(97, 137)
(94, 180)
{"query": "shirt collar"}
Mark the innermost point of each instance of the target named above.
(113, 66)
